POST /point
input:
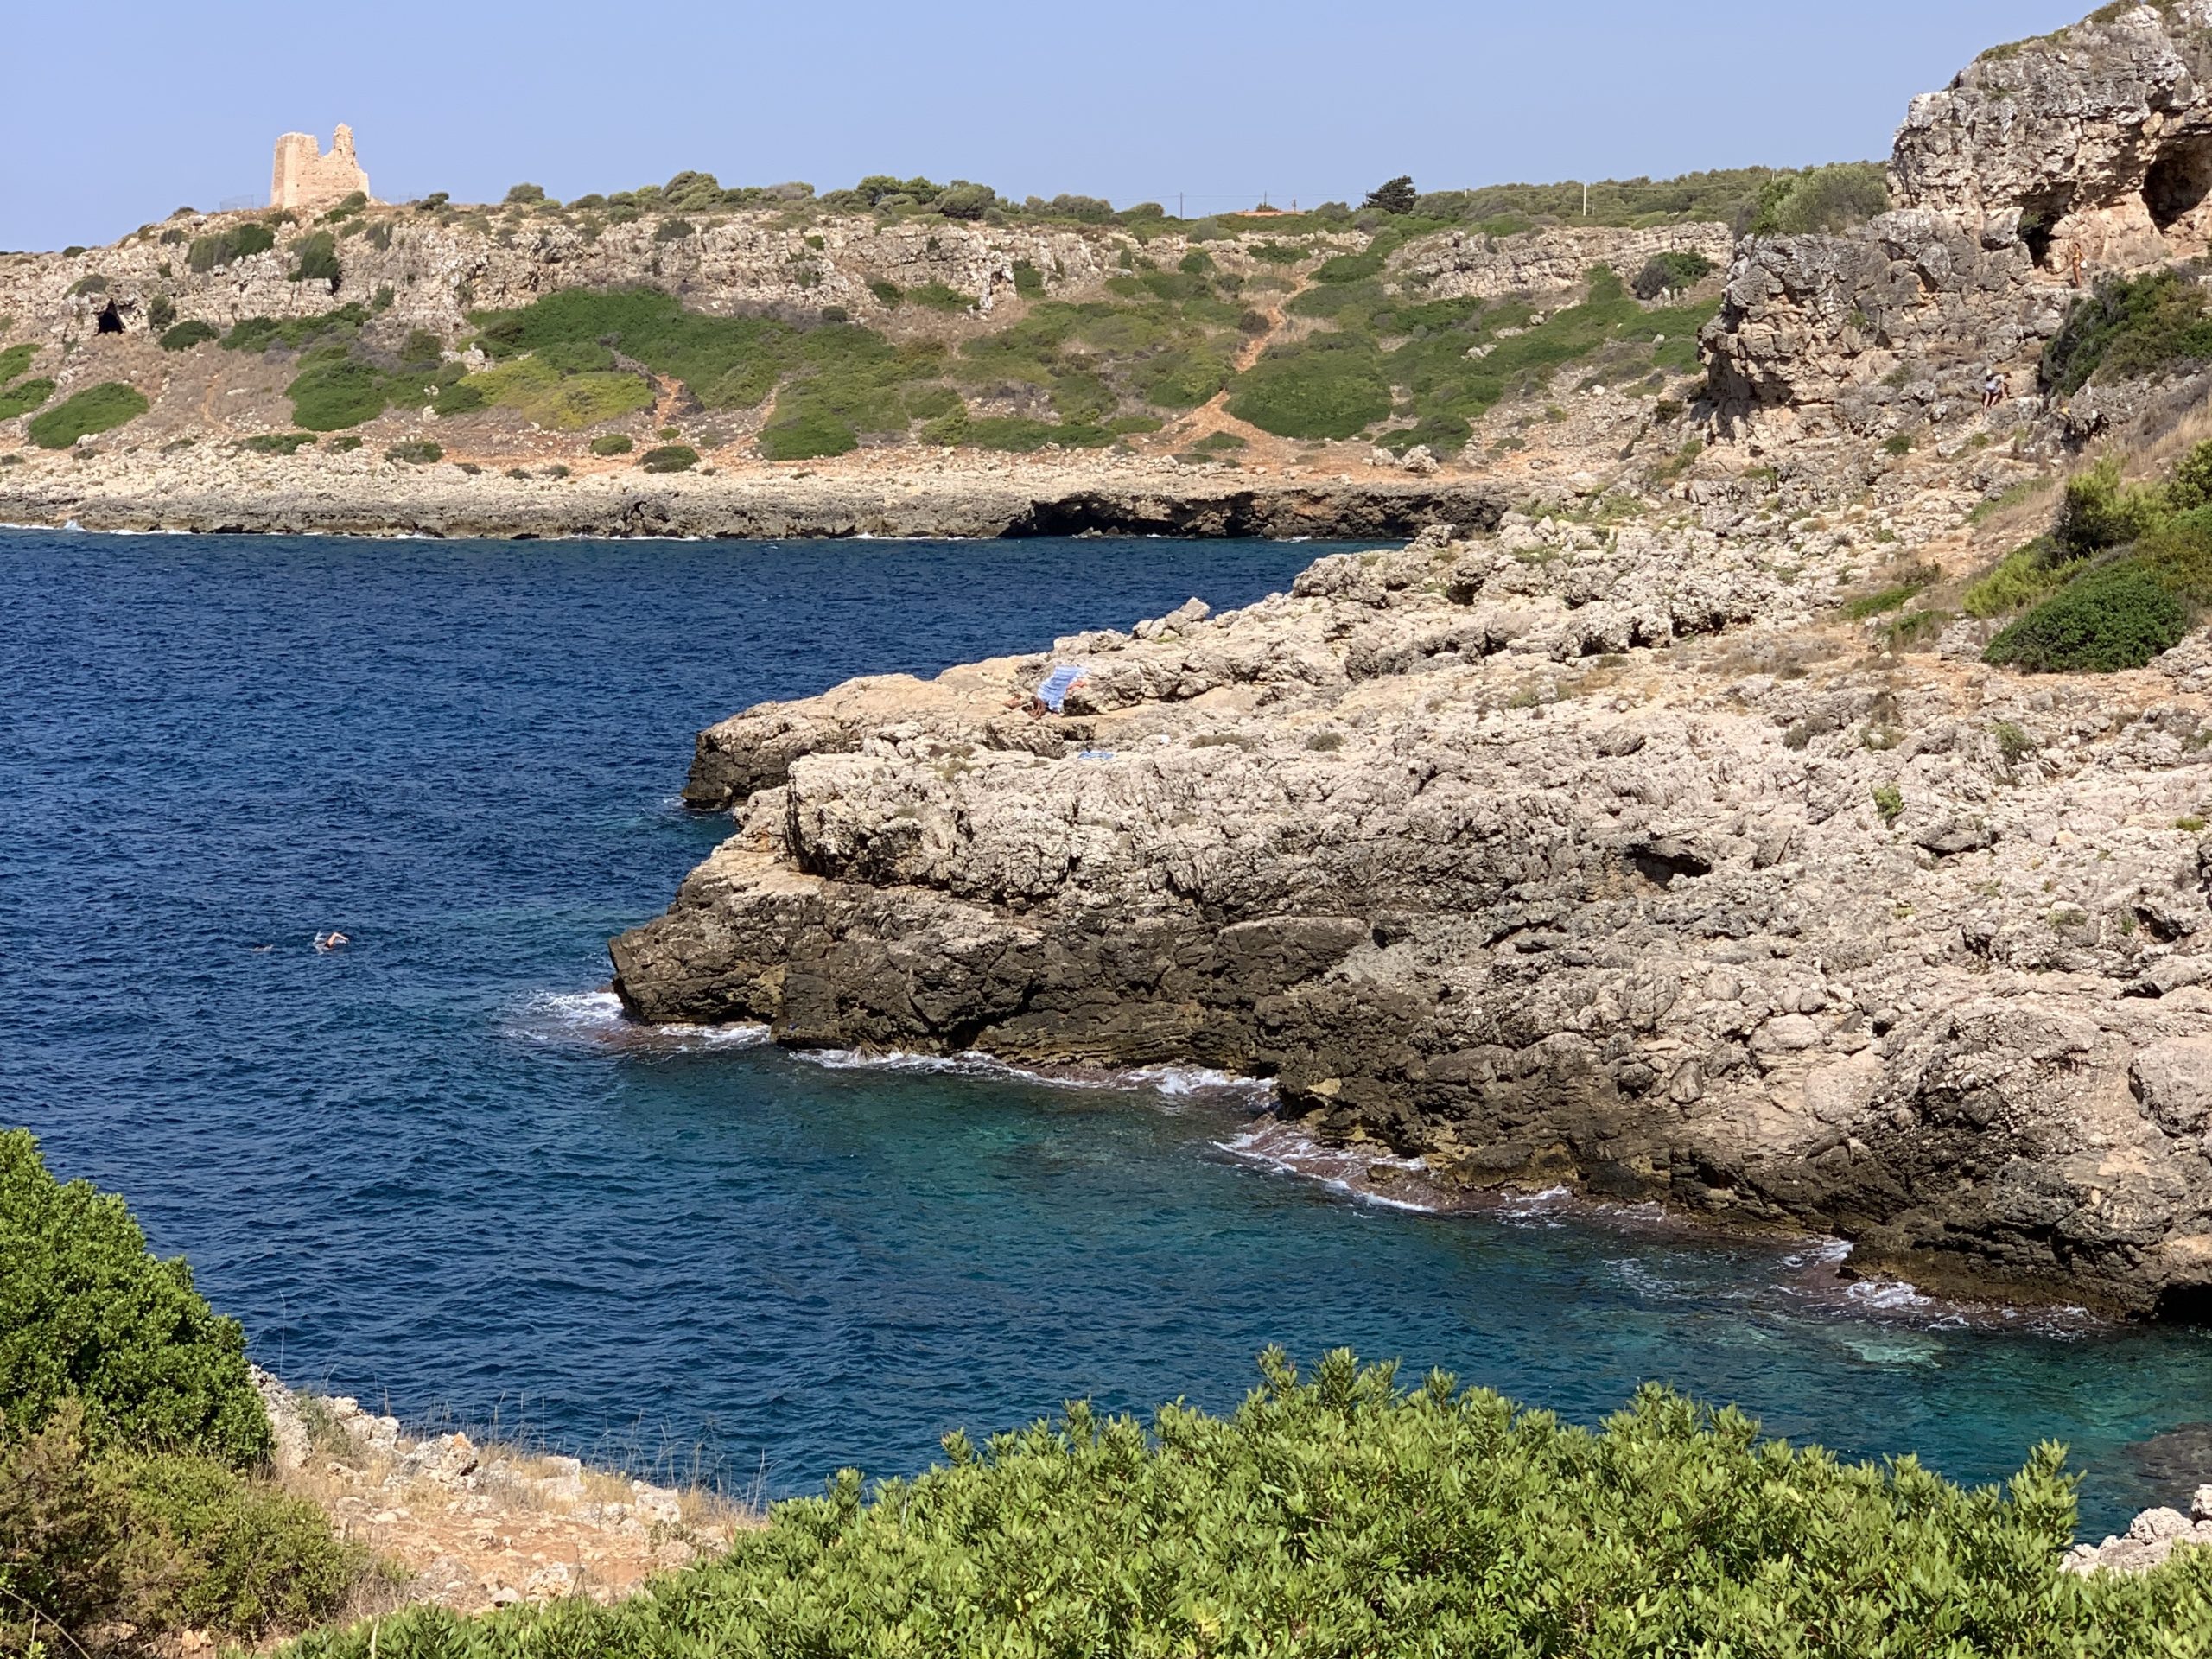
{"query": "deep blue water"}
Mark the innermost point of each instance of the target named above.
(430, 1172)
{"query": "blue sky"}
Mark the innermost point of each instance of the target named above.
(114, 117)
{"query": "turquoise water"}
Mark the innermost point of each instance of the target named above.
(435, 1172)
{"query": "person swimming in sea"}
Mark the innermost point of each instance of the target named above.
(331, 941)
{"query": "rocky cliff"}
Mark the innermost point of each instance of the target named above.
(1668, 840)
(1532, 855)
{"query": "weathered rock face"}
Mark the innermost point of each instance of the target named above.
(1886, 329)
(2100, 135)
(1494, 852)
(1470, 265)
(2041, 167)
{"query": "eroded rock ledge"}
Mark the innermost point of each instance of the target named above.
(1550, 855)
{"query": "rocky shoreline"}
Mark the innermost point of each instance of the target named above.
(365, 497)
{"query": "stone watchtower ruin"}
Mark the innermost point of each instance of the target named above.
(305, 178)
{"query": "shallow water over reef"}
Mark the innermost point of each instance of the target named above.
(433, 1170)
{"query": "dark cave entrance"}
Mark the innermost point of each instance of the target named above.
(2040, 220)
(2189, 1305)
(110, 319)
(2178, 181)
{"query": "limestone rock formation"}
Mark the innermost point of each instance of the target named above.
(2100, 137)
(1506, 852)
(304, 178)
(2043, 166)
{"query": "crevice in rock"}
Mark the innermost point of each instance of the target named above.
(110, 320)
(2178, 181)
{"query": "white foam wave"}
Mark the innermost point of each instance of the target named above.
(597, 1016)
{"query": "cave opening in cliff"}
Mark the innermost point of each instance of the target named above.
(110, 320)
(2189, 1305)
(2178, 181)
(2039, 227)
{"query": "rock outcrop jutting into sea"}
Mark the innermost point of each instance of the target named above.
(1598, 852)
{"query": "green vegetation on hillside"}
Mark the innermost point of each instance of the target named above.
(1343, 1516)
(16, 359)
(188, 334)
(212, 252)
(130, 1431)
(340, 380)
(2130, 326)
(1820, 199)
(1730, 197)
(24, 396)
(95, 410)
(1452, 360)
(2120, 578)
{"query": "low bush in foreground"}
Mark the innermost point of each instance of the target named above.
(131, 1437)
(2109, 619)
(95, 410)
(615, 443)
(668, 458)
(416, 452)
(1341, 1516)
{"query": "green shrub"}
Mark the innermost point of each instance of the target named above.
(2117, 617)
(808, 435)
(1028, 281)
(16, 359)
(1328, 386)
(415, 452)
(1017, 435)
(672, 229)
(2027, 574)
(561, 400)
(615, 443)
(97, 409)
(459, 398)
(161, 313)
(524, 194)
(1342, 1517)
(24, 396)
(2130, 326)
(1889, 801)
(2102, 510)
(278, 443)
(2189, 488)
(353, 204)
(344, 445)
(1821, 199)
(939, 294)
(87, 1313)
(1394, 196)
(209, 1549)
(1664, 272)
(670, 458)
(335, 389)
(885, 293)
(209, 253)
(315, 259)
(961, 200)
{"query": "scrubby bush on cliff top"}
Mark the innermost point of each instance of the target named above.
(86, 1312)
(1341, 1517)
(129, 1428)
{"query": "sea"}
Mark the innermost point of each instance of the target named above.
(436, 1170)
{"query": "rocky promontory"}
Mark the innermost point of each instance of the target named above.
(1667, 836)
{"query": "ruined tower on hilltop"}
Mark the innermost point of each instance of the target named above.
(304, 177)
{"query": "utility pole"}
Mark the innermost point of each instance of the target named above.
(1179, 204)
(1586, 197)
